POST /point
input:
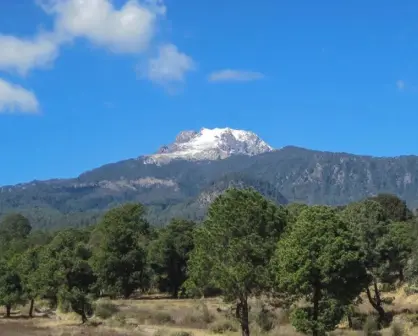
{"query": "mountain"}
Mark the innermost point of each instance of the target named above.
(183, 186)
(210, 144)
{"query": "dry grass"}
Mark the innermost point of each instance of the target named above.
(161, 316)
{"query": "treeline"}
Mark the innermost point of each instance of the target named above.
(315, 260)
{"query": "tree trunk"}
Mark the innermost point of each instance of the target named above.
(350, 320)
(316, 298)
(8, 310)
(242, 316)
(401, 274)
(32, 302)
(376, 302)
(83, 317)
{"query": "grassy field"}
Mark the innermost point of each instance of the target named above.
(161, 316)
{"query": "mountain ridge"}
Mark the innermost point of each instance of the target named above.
(181, 188)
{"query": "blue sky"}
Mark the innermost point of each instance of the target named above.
(88, 82)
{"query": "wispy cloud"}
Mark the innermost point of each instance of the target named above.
(16, 99)
(170, 65)
(229, 75)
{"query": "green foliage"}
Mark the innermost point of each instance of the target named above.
(119, 258)
(370, 226)
(14, 229)
(65, 271)
(14, 226)
(234, 245)
(395, 209)
(26, 265)
(169, 255)
(317, 260)
(294, 210)
(11, 291)
(266, 319)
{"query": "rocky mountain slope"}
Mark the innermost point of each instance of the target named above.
(184, 186)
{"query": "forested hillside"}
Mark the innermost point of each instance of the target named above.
(314, 263)
(178, 189)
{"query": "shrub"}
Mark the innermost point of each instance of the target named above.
(265, 319)
(105, 309)
(370, 327)
(282, 316)
(411, 290)
(397, 329)
(221, 327)
(206, 315)
(181, 333)
(413, 318)
(162, 318)
(388, 300)
(120, 319)
(387, 287)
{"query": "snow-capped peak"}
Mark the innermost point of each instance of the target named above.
(210, 144)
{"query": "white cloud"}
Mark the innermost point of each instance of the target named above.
(169, 66)
(128, 29)
(14, 98)
(229, 75)
(22, 55)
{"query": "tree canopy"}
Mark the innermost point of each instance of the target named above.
(234, 245)
(317, 260)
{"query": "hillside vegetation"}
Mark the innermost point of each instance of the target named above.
(179, 189)
(272, 270)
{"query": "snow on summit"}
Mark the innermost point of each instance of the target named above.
(210, 144)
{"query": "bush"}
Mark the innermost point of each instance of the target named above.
(105, 309)
(163, 318)
(120, 319)
(387, 287)
(371, 327)
(266, 320)
(388, 300)
(411, 290)
(397, 329)
(181, 333)
(221, 327)
(206, 315)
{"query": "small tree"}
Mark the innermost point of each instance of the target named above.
(169, 254)
(369, 225)
(11, 292)
(26, 265)
(317, 260)
(119, 257)
(65, 272)
(233, 248)
(397, 246)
